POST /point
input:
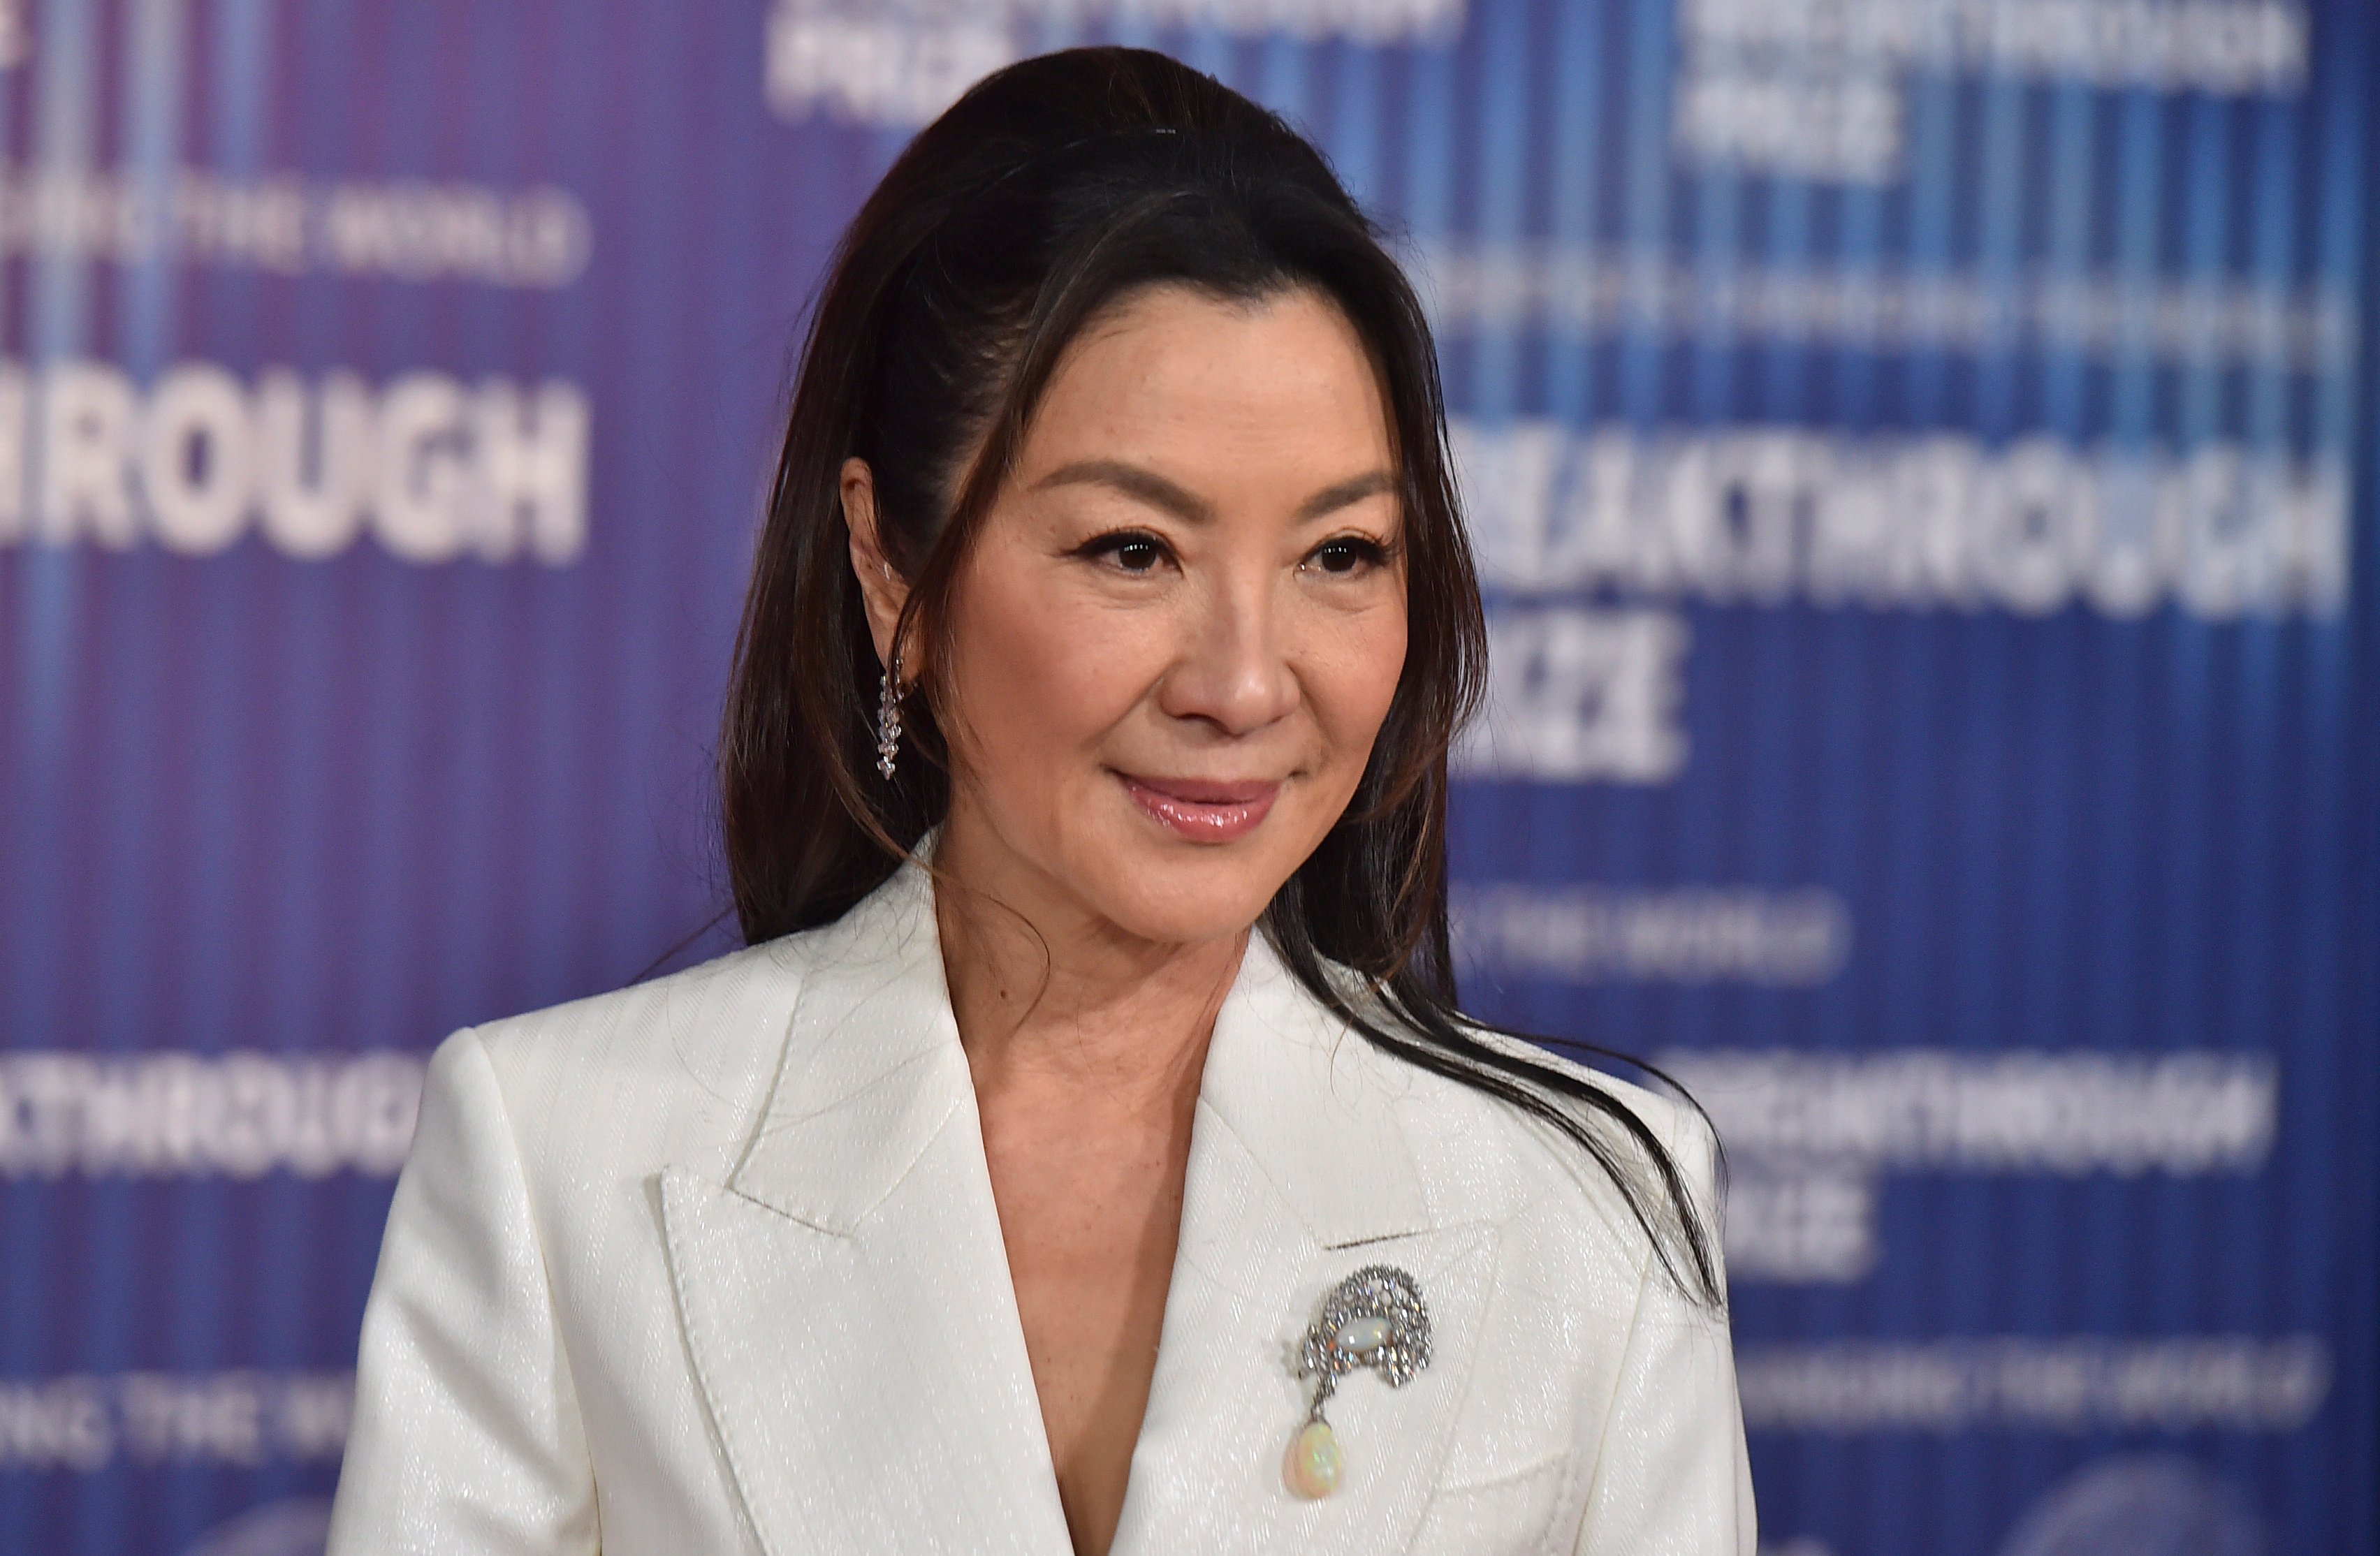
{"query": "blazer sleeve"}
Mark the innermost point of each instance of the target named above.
(465, 1434)
(1673, 1478)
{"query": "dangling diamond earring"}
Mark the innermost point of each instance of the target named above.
(888, 720)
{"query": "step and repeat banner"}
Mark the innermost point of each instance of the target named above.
(1918, 455)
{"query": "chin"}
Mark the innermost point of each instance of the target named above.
(1174, 896)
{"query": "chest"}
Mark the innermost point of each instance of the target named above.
(1090, 1220)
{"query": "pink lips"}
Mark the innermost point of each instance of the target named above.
(1203, 812)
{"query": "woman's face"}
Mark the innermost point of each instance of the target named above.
(1184, 620)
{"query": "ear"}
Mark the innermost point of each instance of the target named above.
(884, 590)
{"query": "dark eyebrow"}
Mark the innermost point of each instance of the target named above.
(1330, 499)
(1133, 481)
(1158, 492)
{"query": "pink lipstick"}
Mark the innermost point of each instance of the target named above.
(1200, 811)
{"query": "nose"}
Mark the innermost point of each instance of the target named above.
(1232, 673)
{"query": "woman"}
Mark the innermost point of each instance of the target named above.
(1087, 1153)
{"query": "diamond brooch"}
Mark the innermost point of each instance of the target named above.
(1373, 1319)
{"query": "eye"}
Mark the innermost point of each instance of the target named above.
(1342, 555)
(1130, 551)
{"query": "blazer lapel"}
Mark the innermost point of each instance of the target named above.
(1299, 1176)
(845, 1296)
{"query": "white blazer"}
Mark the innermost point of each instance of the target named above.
(712, 1264)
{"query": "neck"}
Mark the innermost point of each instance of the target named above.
(1049, 996)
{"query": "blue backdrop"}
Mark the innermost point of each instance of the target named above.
(1918, 451)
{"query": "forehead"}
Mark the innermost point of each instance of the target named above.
(1171, 371)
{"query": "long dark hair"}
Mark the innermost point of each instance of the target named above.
(1048, 191)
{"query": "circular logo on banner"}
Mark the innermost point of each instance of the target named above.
(296, 1528)
(2152, 1505)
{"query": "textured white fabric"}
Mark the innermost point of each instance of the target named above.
(712, 1264)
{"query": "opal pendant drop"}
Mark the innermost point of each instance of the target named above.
(1311, 1468)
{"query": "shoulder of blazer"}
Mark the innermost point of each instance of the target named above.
(1551, 1179)
(1672, 1122)
(671, 1069)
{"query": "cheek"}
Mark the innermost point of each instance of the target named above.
(1035, 676)
(1357, 667)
